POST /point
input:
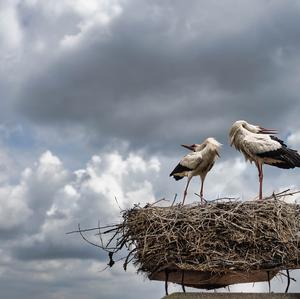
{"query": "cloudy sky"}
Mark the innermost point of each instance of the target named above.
(97, 95)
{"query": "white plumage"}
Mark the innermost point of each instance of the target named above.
(199, 162)
(258, 145)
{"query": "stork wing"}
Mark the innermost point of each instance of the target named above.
(256, 144)
(187, 163)
(191, 160)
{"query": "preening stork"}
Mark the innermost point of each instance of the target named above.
(199, 162)
(258, 145)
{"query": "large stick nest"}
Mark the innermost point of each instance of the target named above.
(240, 236)
(218, 237)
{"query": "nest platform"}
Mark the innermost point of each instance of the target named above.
(211, 246)
(215, 245)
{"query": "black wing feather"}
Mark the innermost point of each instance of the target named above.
(288, 158)
(177, 177)
(179, 169)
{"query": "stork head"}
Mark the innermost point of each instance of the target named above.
(242, 124)
(207, 142)
(212, 141)
(213, 144)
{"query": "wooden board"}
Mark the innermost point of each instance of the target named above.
(209, 280)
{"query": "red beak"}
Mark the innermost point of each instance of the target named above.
(267, 131)
(190, 147)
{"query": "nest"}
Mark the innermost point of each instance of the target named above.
(218, 238)
(239, 236)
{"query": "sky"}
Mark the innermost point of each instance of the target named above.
(97, 96)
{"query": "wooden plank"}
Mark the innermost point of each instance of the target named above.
(209, 280)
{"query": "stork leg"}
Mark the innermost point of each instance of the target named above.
(201, 192)
(186, 188)
(260, 175)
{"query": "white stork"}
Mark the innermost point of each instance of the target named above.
(258, 145)
(199, 162)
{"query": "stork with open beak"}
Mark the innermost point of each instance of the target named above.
(258, 145)
(198, 162)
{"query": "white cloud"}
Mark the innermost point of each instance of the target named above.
(14, 210)
(58, 197)
(22, 26)
(111, 175)
(294, 139)
(10, 30)
(36, 186)
(50, 167)
(92, 13)
(50, 200)
(231, 177)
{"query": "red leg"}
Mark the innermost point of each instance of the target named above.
(260, 175)
(201, 191)
(186, 188)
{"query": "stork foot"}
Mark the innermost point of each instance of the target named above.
(203, 201)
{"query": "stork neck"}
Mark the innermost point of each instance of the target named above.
(239, 136)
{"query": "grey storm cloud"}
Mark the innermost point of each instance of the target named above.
(163, 70)
(59, 248)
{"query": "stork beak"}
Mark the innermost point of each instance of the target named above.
(190, 147)
(267, 131)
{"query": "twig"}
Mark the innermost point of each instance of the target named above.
(285, 275)
(118, 203)
(288, 280)
(269, 282)
(91, 229)
(166, 282)
(182, 281)
(100, 235)
(127, 259)
(85, 239)
(156, 202)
